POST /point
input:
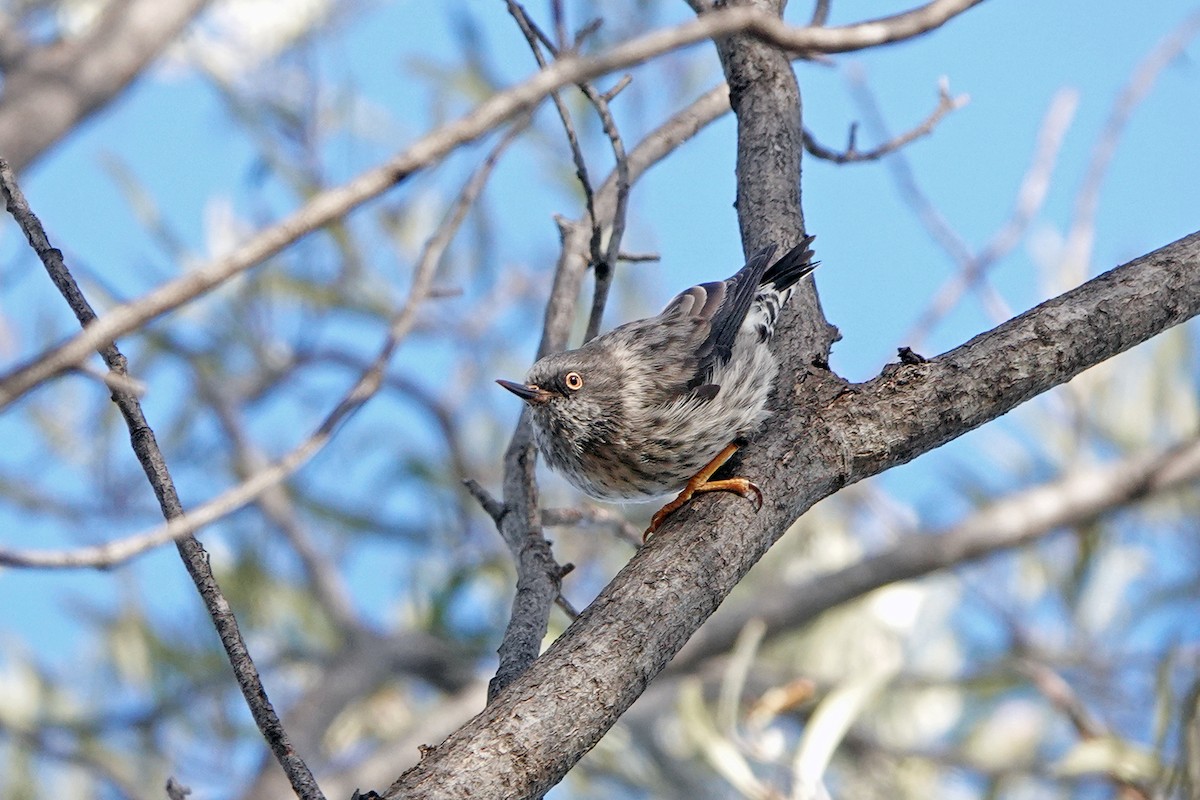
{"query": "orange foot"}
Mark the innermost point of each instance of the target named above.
(701, 483)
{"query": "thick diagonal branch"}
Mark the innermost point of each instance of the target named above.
(535, 731)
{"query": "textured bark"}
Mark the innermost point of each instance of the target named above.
(539, 576)
(528, 738)
(49, 91)
(765, 96)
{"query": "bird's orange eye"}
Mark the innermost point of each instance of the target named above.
(574, 381)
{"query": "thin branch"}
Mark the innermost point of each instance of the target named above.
(328, 588)
(635, 258)
(368, 384)
(820, 13)
(536, 38)
(852, 154)
(560, 23)
(431, 148)
(1059, 693)
(602, 262)
(490, 505)
(604, 268)
(941, 230)
(151, 458)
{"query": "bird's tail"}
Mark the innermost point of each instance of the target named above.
(791, 267)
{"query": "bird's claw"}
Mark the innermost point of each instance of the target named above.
(757, 498)
(739, 486)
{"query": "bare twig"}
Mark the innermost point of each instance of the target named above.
(368, 383)
(490, 505)
(1059, 693)
(536, 39)
(328, 588)
(334, 203)
(568, 275)
(820, 12)
(929, 216)
(603, 261)
(604, 268)
(635, 258)
(934, 221)
(852, 154)
(151, 458)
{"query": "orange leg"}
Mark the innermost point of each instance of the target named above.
(701, 483)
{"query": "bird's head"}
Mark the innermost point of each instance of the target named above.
(574, 396)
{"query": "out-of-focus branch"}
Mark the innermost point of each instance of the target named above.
(367, 385)
(595, 517)
(1082, 230)
(328, 588)
(1016, 520)
(851, 155)
(368, 662)
(430, 149)
(820, 12)
(49, 90)
(973, 267)
(1059, 693)
(145, 446)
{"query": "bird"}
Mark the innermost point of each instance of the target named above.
(656, 406)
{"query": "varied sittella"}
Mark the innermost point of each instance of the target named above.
(657, 405)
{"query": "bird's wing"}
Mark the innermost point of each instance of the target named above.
(722, 305)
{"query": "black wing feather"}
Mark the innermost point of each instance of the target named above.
(792, 266)
(734, 298)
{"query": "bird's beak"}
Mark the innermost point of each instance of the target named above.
(530, 394)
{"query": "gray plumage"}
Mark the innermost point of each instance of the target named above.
(635, 413)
